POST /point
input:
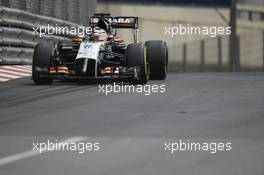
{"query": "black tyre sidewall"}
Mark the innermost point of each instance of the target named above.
(42, 58)
(135, 55)
(157, 54)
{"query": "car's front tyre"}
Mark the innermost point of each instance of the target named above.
(157, 55)
(41, 64)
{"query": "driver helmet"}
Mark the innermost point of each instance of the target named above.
(100, 35)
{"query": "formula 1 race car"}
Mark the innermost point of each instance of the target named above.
(102, 55)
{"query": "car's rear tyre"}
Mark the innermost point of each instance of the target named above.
(157, 55)
(136, 56)
(41, 64)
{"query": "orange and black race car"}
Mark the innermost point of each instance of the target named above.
(102, 55)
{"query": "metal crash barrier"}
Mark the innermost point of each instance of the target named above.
(18, 34)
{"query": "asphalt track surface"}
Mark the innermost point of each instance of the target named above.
(132, 128)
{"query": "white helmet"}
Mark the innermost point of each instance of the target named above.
(100, 35)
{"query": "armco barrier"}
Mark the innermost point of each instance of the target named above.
(16, 55)
(17, 38)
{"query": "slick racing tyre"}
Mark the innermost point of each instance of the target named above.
(136, 57)
(41, 64)
(157, 55)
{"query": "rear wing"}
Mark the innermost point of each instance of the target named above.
(121, 22)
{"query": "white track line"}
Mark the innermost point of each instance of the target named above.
(31, 153)
(4, 79)
(10, 76)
